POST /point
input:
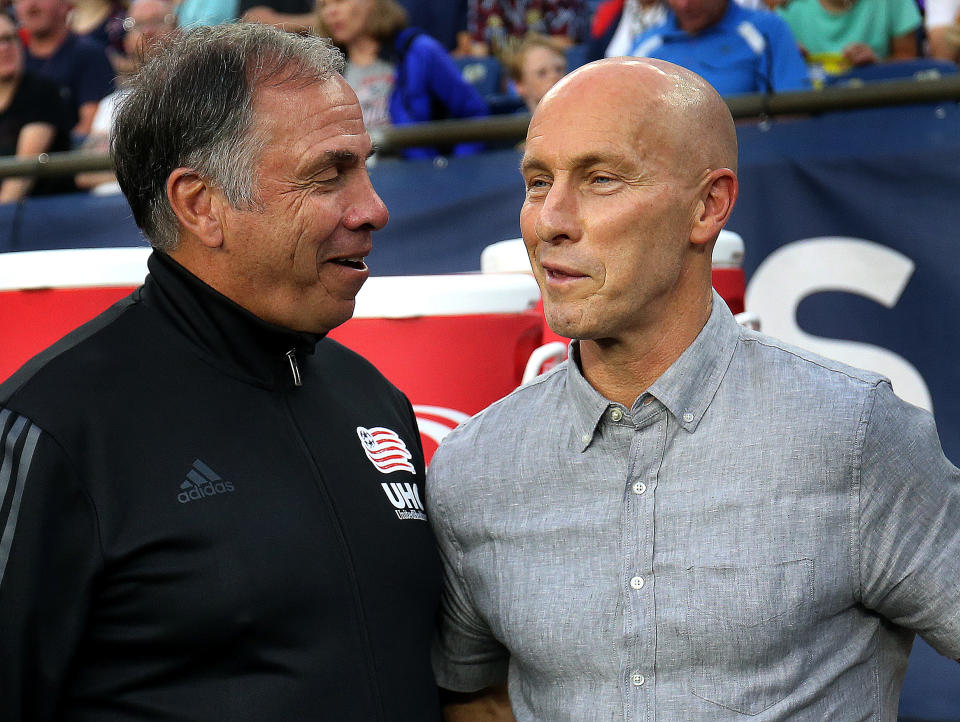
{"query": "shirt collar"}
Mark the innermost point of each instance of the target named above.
(685, 389)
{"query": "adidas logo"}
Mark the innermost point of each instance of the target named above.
(202, 481)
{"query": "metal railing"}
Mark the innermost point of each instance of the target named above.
(513, 128)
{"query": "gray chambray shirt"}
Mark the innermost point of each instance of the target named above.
(760, 535)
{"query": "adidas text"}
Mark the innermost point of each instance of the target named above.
(199, 492)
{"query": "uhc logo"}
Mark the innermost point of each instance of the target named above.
(202, 481)
(406, 499)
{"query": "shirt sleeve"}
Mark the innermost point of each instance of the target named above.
(939, 13)
(788, 70)
(466, 656)
(49, 555)
(909, 524)
(904, 17)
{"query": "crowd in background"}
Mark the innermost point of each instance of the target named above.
(63, 62)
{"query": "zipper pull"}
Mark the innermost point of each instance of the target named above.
(294, 369)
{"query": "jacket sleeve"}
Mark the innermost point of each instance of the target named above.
(909, 517)
(444, 81)
(49, 556)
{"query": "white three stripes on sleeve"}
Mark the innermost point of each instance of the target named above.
(15, 460)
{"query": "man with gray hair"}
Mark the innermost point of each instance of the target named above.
(209, 511)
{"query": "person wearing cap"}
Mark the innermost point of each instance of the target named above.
(687, 519)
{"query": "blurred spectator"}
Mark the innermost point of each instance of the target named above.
(148, 23)
(836, 35)
(100, 21)
(78, 65)
(401, 75)
(33, 118)
(736, 49)
(616, 25)
(497, 27)
(942, 23)
(536, 67)
(206, 12)
(445, 21)
(297, 16)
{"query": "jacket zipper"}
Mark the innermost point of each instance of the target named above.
(294, 368)
(353, 581)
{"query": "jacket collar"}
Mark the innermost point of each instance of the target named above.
(223, 333)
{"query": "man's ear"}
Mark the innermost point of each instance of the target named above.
(195, 205)
(715, 205)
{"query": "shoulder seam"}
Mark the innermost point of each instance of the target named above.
(543, 378)
(875, 380)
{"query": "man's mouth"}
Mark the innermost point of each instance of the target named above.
(561, 274)
(355, 262)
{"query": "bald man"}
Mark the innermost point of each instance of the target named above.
(687, 520)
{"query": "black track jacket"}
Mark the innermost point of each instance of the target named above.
(186, 534)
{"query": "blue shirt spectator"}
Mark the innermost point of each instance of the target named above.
(735, 49)
(78, 65)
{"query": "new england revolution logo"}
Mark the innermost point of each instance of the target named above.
(388, 453)
(385, 449)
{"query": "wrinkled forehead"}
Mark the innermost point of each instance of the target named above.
(305, 113)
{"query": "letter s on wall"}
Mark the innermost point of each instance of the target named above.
(836, 263)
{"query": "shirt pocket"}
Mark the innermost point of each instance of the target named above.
(747, 629)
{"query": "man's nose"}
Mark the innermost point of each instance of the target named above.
(367, 209)
(558, 219)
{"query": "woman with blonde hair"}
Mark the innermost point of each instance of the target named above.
(400, 74)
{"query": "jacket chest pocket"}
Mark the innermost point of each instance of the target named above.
(747, 628)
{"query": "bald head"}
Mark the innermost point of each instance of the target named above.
(630, 174)
(658, 103)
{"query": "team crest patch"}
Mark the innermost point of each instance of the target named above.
(385, 449)
(388, 453)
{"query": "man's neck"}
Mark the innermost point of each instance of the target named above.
(622, 369)
(46, 44)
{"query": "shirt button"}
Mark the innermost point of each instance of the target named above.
(688, 417)
(639, 487)
(585, 438)
(637, 679)
(637, 582)
(616, 414)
